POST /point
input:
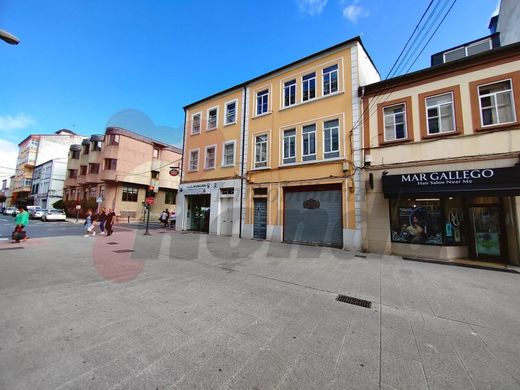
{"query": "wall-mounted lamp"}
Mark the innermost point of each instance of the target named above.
(385, 173)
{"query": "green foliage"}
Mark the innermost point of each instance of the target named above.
(60, 205)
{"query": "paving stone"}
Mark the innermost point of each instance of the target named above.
(400, 372)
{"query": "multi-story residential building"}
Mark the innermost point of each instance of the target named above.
(442, 149)
(286, 165)
(35, 150)
(4, 192)
(209, 195)
(47, 183)
(116, 168)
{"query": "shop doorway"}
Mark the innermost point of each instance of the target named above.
(260, 219)
(487, 234)
(198, 212)
(226, 216)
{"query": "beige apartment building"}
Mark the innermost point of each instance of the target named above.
(275, 157)
(442, 156)
(114, 170)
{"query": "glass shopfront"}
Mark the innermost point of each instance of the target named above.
(431, 221)
(469, 208)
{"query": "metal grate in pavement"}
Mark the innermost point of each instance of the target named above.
(112, 243)
(354, 301)
(123, 251)
(361, 256)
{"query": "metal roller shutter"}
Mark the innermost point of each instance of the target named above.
(313, 217)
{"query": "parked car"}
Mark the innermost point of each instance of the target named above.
(2, 209)
(37, 214)
(11, 211)
(32, 209)
(54, 215)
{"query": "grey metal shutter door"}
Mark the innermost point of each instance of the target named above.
(260, 222)
(320, 225)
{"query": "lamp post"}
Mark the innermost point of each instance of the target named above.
(9, 38)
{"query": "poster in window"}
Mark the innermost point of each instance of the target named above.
(418, 225)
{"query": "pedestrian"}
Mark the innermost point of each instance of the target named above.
(102, 217)
(164, 217)
(21, 221)
(173, 220)
(109, 222)
(89, 224)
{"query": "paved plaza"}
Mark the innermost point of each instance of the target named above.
(192, 311)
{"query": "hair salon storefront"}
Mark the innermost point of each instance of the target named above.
(466, 213)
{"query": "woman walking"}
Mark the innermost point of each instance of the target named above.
(21, 221)
(89, 225)
(102, 217)
(110, 219)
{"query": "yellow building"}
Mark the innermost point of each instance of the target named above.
(442, 147)
(297, 143)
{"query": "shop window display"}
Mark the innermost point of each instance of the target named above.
(427, 221)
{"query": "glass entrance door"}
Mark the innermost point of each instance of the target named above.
(487, 235)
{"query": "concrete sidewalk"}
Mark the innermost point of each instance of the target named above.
(192, 311)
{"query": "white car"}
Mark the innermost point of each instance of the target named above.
(38, 214)
(54, 215)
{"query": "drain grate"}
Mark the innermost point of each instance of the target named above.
(112, 243)
(124, 251)
(354, 301)
(361, 256)
(11, 249)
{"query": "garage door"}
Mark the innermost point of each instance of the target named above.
(313, 216)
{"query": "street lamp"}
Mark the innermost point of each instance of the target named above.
(9, 38)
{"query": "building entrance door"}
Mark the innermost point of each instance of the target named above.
(260, 219)
(198, 212)
(226, 216)
(487, 236)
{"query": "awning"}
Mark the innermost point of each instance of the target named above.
(468, 182)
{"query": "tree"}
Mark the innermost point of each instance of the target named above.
(59, 204)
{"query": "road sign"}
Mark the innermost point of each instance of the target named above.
(149, 200)
(78, 207)
(174, 172)
(99, 199)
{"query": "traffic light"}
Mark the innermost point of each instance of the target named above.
(150, 192)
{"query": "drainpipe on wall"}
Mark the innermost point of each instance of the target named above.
(242, 161)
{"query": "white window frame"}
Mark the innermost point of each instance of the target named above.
(266, 161)
(199, 114)
(226, 123)
(315, 140)
(214, 157)
(494, 94)
(257, 95)
(233, 142)
(294, 85)
(438, 107)
(339, 138)
(329, 74)
(216, 119)
(190, 169)
(308, 81)
(405, 123)
(283, 144)
(490, 44)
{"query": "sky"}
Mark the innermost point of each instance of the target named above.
(84, 65)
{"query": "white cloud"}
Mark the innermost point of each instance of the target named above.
(19, 121)
(354, 11)
(7, 158)
(311, 7)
